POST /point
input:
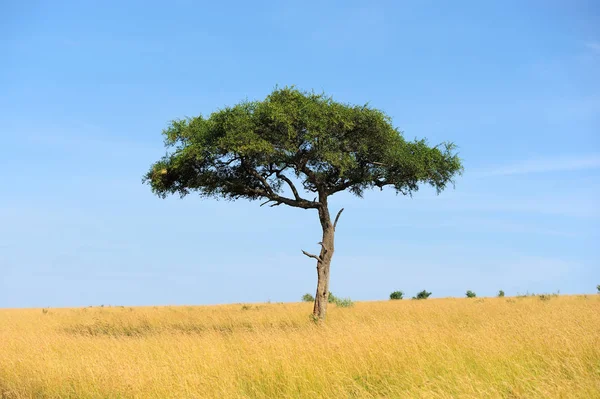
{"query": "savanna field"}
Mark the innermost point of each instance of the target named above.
(436, 348)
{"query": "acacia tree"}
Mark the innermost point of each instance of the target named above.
(294, 144)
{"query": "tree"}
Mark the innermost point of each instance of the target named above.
(308, 298)
(500, 294)
(422, 295)
(397, 295)
(292, 144)
(470, 294)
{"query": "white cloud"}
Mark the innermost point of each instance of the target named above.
(543, 165)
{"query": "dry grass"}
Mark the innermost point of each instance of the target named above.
(438, 348)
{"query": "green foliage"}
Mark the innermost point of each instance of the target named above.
(331, 298)
(344, 302)
(397, 295)
(308, 298)
(547, 297)
(471, 294)
(543, 297)
(422, 295)
(254, 149)
(500, 294)
(341, 302)
(525, 295)
(598, 288)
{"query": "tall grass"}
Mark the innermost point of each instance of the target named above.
(440, 348)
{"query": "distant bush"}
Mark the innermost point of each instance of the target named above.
(471, 294)
(308, 298)
(422, 295)
(344, 302)
(547, 297)
(500, 294)
(598, 288)
(331, 298)
(397, 295)
(525, 295)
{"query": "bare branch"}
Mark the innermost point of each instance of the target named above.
(324, 246)
(268, 192)
(264, 181)
(341, 187)
(312, 256)
(337, 218)
(283, 177)
(272, 205)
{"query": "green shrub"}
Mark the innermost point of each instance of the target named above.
(471, 294)
(308, 298)
(598, 288)
(397, 295)
(344, 302)
(500, 294)
(422, 295)
(525, 295)
(331, 298)
(547, 297)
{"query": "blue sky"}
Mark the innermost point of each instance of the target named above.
(87, 87)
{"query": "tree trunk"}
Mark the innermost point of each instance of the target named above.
(323, 265)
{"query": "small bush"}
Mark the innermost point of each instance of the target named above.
(471, 294)
(397, 295)
(331, 298)
(344, 302)
(308, 298)
(547, 297)
(598, 288)
(422, 295)
(500, 294)
(525, 295)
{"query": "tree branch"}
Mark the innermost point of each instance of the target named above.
(340, 187)
(289, 183)
(337, 217)
(268, 192)
(272, 205)
(301, 165)
(323, 245)
(312, 256)
(264, 181)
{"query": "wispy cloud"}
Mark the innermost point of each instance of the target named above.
(543, 165)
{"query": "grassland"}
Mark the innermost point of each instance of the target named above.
(437, 348)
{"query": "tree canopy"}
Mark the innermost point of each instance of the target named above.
(292, 144)
(255, 149)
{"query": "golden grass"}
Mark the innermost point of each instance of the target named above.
(437, 348)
